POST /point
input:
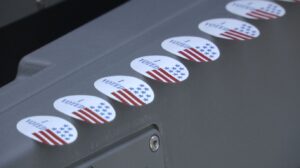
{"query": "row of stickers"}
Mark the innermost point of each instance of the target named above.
(131, 91)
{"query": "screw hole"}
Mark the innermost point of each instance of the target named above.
(154, 143)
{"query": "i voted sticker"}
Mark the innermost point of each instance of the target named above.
(126, 89)
(192, 48)
(90, 109)
(48, 130)
(161, 68)
(230, 29)
(256, 9)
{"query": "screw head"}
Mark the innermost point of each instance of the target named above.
(154, 143)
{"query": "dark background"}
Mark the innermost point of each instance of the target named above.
(32, 32)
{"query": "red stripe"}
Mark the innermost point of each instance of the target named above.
(96, 115)
(169, 75)
(162, 76)
(49, 138)
(154, 76)
(242, 34)
(261, 16)
(186, 56)
(267, 13)
(194, 55)
(236, 35)
(232, 38)
(82, 117)
(40, 138)
(202, 55)
(56, 137)
(134, 97)
(128, 98)
(89, 116)
(120, 98)
(255, 17)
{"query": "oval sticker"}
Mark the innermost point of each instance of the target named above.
(90, 109)
(192, 48)
(256, 9)
(161, 68)
(230, 29)
(126, 89)
(48, 130)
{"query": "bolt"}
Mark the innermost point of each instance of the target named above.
(154, 143)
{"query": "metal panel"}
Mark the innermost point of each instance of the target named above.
(133, 151)
(239, 111)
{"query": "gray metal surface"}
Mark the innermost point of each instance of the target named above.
(240, 111)
(134, 151)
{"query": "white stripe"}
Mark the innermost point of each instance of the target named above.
(267, 14)
(93, 116)
(225, 37)
(233, 36)
(44, 138)
(158, 76)
(205, 59)
(87, 118)
(167, 76)
(260, 16)
(131, 97)
(190, 56)
(54, 138)
(51, 137)
(241, 35)
(127, 101)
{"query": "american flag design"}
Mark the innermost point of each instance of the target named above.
(160, 68)
(90, 109)
(230, 29)
(126, 89)
(192, 48)
(48, 130)
(256, 9)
